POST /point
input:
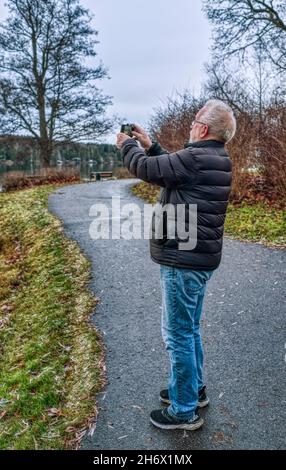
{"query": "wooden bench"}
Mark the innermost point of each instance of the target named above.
(98, 175)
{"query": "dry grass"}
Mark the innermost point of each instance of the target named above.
(122, 173)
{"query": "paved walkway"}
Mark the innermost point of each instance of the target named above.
(243, 329)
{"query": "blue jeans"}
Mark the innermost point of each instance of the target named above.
(182, 300)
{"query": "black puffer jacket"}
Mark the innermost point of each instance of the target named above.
(199, 174)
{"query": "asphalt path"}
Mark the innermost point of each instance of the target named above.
(243, 329)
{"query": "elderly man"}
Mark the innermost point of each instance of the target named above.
(199, 174)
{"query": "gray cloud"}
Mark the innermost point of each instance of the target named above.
(150, 48)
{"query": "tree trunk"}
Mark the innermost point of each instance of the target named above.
(45, 153)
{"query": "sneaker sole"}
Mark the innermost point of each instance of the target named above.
(189, 427)
(201, 404)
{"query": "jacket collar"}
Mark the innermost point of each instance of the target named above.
(204, 143)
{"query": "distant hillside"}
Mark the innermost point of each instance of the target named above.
(17, 152)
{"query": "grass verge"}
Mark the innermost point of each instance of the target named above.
(257, 222)
(51, 356)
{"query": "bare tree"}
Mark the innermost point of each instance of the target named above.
(223, 84)
(170, 122)
(260, 140)
(46, 87)
(240, 24)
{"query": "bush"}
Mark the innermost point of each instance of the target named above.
(257, 150)
(16, 180)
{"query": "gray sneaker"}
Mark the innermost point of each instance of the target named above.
(202, 402)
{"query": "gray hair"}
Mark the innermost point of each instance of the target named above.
(220, 119)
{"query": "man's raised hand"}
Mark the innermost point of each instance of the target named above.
(141, 135)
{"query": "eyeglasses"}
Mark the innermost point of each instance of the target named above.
(198, 122)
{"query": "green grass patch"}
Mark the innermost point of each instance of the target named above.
(51, 360)
(257, 222)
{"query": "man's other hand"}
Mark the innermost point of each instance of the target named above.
(141, 135)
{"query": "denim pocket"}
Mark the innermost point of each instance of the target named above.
(195, 281)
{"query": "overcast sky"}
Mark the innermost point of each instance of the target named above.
(151, 48)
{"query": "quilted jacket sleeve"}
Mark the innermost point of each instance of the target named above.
(170, 170)
(156, 149)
